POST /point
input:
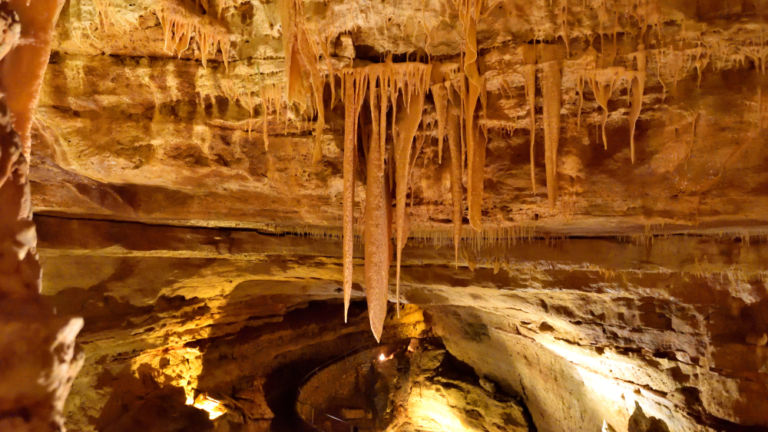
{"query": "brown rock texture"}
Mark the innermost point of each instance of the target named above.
(37, 347)
(605, 175)
(580, 328)
(410, 387)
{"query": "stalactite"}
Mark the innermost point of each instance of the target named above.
(603, 82)
(551, 82)
(529, 74)
(220, 5)
(580, 89)
(388, 85)
(375, 229)
(469, 12)
(462, 90)
(180, 27)
(562, 17)
(760, 108)
(272, 101)
(700, 62)
(354, 88)
(106, 20)
(301, 51)
(292, 19)
(22, 68)
(637, 89)
(38, 350)
(475, 181)
(414, 87)
(350, 150)
(264, 120)
(677, 64)
(440, 98)
(325, 49)
(757, 54)
(659, 60)
(446, 96)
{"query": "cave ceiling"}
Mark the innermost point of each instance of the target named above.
(130, 130)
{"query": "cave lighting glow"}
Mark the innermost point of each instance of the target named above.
(181, 367)
(213, 407)
(431, 412)
(618, 396)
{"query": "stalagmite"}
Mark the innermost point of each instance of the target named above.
(637, 89)
(551, 81)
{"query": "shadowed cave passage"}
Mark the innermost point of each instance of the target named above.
(405, 387)
(275, 376)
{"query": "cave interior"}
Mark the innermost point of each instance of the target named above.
(384, 215)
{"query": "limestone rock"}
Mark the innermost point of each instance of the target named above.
(188, 178)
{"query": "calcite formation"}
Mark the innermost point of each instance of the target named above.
(216, 181)
(37, 347)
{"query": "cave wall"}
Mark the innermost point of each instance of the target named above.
(183, 212)
(37, 346)
(581, 329)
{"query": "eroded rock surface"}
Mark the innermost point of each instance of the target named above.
(190, 205)
(581, 329)
(37, 347)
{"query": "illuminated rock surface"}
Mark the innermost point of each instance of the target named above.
(189, 179)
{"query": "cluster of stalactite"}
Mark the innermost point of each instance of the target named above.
(181, 28)
(405, 85)
(37, 348)
(458, 95)
(302, 53)
(395, 99)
